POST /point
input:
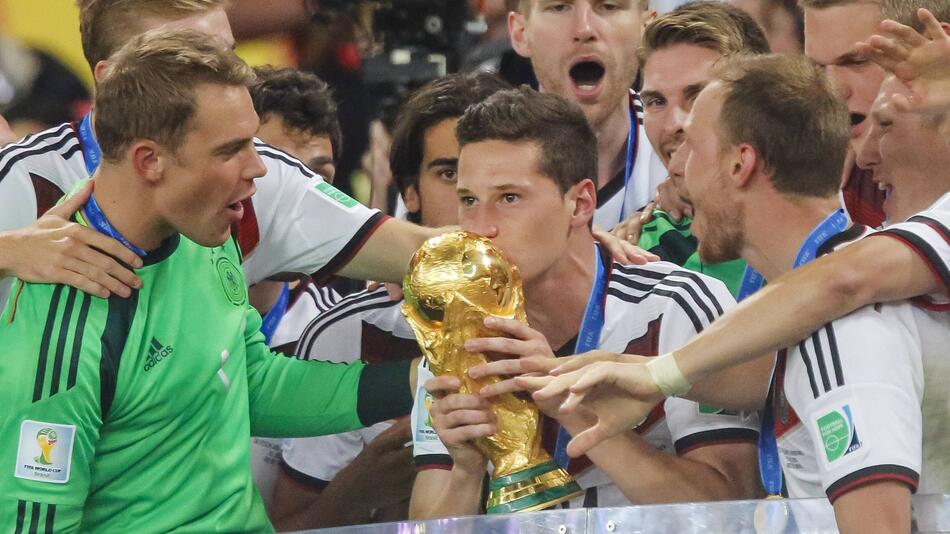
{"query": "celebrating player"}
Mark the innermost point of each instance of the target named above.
(523, 168)
(846, 402)
(153, 398)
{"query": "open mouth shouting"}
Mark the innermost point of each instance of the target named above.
(587, 77)
(857, 124)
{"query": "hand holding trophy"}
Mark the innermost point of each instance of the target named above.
(456, 280)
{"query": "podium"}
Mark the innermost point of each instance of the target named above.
(931, 513)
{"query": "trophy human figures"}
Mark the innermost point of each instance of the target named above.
(456, 280)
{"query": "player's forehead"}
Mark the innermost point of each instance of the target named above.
(213, 22)
(673, 68)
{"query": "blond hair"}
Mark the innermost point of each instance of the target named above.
(718, 26)
(148, 91)
(106, 25)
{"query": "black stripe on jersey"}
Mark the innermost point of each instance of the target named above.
(278, 154)
(33, 140)
(924, 248)
(694, 277)
(938, 226)
(324, 298)
(34, 518)
(433, 461)
(301, 477)
(870, 474)
(820, 359)
(633, 299)
(344, 306)
(371, 301)
(852, 233)
(835, 356)
(50, 518)
(45, 343)
(77, 340)
(72, 150)
(42, 150)
(114, 336)
(806, 359)
(61, 344)
(718, 436)
(351, 247)
(20, 516)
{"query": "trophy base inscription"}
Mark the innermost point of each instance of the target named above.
(531, 489)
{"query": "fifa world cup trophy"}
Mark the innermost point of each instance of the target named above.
(456, 280)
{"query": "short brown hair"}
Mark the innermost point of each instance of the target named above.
(718, 26)
(788, 111)
(903, 11)
(567, 144)
(148, 91)
(106, 25)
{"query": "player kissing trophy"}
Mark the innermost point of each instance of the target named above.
(456, 280)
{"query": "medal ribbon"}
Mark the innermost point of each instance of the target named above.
(98, 221)
(633, 140)
(91, 153)
(770, 467)
(588, 338)
(275, 314)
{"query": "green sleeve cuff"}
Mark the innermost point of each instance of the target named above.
(384, 392)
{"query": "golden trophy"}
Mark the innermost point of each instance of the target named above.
(456, 280)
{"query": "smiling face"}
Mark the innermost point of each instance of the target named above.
(830, 36)
(704, 161)
(672, 78)
(582, 50)
(203, 183)
(907, 153)
(504, 197)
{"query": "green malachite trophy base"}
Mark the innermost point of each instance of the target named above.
(531, 489)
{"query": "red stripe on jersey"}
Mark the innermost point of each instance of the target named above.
(47, 193)
(426, 467)
(920, 301)
(649, 343)
(941, 231)
(876, 477)
(863, 200)
(247, 230)
(784, 416)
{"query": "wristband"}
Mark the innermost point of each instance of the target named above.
(667, 375)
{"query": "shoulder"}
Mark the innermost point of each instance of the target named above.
(667, 286)
(47, 147)
(351, 313)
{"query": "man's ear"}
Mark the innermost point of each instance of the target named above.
(99, 71)
(745, 162)
(516, 30)
(584, 197)
(410, 197)
(148, 160)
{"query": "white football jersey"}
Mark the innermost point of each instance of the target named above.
(650, 309)
(847, 401)
(368, 326)
(616, 197)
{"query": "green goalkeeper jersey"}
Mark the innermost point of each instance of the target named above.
(135, 415)
(674, 242)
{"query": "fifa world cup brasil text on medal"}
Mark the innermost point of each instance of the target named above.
(456, 280)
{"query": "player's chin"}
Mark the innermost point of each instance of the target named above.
(209, 237)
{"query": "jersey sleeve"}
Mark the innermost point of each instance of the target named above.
(699, 300)
(928, 235)
(862, 407)
(295, 398)
(428, 451)
(317, 460)
(304, 224)
(55, 386)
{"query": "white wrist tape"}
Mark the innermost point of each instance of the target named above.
(667, 375)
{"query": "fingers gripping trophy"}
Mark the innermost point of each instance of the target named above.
(456, 280)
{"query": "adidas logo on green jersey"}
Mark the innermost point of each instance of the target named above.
(156, 353)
